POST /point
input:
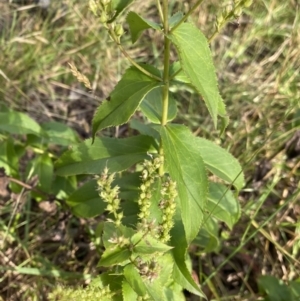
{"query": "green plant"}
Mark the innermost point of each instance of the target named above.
(168, 200)
(28, 150)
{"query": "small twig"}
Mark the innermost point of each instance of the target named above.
(31, 188)
(125, 53)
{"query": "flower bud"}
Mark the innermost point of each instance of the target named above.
(119, 30)
(238, 11)
(103, 18)
(93, 7)
(105, 2)
(248, 3)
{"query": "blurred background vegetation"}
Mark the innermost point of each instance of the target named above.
(257, 58)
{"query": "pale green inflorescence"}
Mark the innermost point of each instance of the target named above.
(110, 195)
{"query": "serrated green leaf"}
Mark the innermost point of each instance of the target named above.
(138, 24)
(44, 170)
(180, 76)
(59, 133)
(173, 20)
(42, 166)
(85, 201)
(181, 274)
(223, 205)
(145, 129)
(186, 167)
(118, 6)
(116, 154)
(142, 286)
(128, 292)
(274, 288)
(147, 245)
(295, 289)
(18, 123)
(207, 237)
(9, 160)
(63, 187)
(111, 231)
(152, 106)
(221, 163)
(135, 280)
(114, 255)
(197, 63)
(166, 262)
(155, 290)
(125, 99)
(114, 282)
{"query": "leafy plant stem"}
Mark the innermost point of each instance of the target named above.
(165, 100)
(125, 53)
(159, 10)
(187, 15)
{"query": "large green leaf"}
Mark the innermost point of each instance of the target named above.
(147, 245)
(45, 172)
(152, 106)
(42, 166)
(111, 280)
(197, 63)
(223, 205)
(128, 293)
(208, 238)
(138, 24)
(125, 98)
(8, 158)
(118, 6)
(85, 201)
(173, 20)
(135, 280)
(181, 273)
(141, 285)
(220, 162)
(186, 167)
(63, 187)
(116, 154)
(144, 129)
(114, 255)
(178, 74)
(59, 133)
(18, 123)
(274, 288)
(110, 230)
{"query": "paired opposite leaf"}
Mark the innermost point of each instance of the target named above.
(223, 205)
(220, 162)
(181, 274)
(152, 106)
(197, 63)
(18, 123)
(141, 285)
(118, 6)
(125, 99)
(138, 24)
(59, 133)
(85, 201)
(186, 167)
(116, 154)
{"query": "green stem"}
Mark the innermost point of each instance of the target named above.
(187, 14)
(165, 100)
(160, 11)
(125, 53)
